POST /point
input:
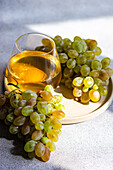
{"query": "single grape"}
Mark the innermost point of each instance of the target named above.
(46, 155)
(85, 47)
(105, 62)
(37, 135)
(78, 46)
(46, 95)
(18, 111)
(34, 117)
(39, 126)
(50, 108)
(58, 114)
(56, 124)
(19, 121)
(85, 70)
(89, 62)
(88, 82)
(13, 129)
(25, 129)
(22, 103)
(27, 110)
(31, 102)
(92, 44)
(96, 65)
(14, 101)
(60, 49)
(51, 145)
(47, 126)
(28, 94)
(95, 87)
(71, 63)
(42, 117)
(2, 99)
(81, 59)
(68, 83)
(31, 155)
(72, 53)
(102, 91)
(77, 69)
(67, 45)
(85, 89)
(77, 38)
(52, 135)
(77, 92)
(97, 51)
(66, 39)
(94, 73)
(98, 81)
(30, 146)
(59, 107)
(109, 71)
(49, 88)
(10, 117)
(78, 81)
(90, 55)
(39, 149)
(94, 95)
(103, 75)
(85, 97)
(44, 140)
(63, 58)
(58, 41)
(42, 107)
(68, 72)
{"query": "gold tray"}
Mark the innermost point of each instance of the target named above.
(77, 112)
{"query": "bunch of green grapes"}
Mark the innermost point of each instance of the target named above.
(34, 118)
(81, 70)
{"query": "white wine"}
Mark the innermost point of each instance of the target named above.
(34, 70)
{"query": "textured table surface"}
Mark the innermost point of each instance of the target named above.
(83, 146)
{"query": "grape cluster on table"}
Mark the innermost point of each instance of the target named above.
(82, 71)
(34, 118)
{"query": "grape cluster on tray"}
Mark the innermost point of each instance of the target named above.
(34, 118)
(82, 71)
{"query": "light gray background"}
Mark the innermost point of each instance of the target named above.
(83, 146)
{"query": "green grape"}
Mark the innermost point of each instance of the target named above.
(56, 124)
(85, 89)
(85, 47)
(58, 131)
(17, 111)
(34, 117)
(50, 145)
(102, 91)
(103, 75)
(85, 70)
(63, 58)
(97, 51)
(3, 113)
(42, 107)
(22, 103)
(98, 81)
(77, 92)
(27, 110)
(20, 136)
(50, 108)
(7, 122)
(2, 100)
(87, 40)
(105, 62)
(10, 117)
(95, 87)
(94, 95)
(46, 95)
(67, 45)
(19, 121)
(49, 88)
(39, 126)
(40, 149)
(42, 117)
(89, 62)
(58, 114)
(31, 155)
(78, 81)
(25, 129)
(77, 38)
(37, 135)
(68, 83)
(14, 101)
(66, 39)
(109, 71)
(92, 44)
(46, 155)
(71, 63)
(13, 129)
(68, 72)
(81, 59)
(58, 41)
(28, 94)
(96, 65)
(88, 82)
(78, 46)
(10, 109)
(90, 55)
(85, 97)
(31, 102)
(30, 146)
(60, 49)
(77, 69)
(47, 126)
(56, 99)
(52, 135)
(44, 140)
(59, 107)
(72, 53)
(94, 73)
